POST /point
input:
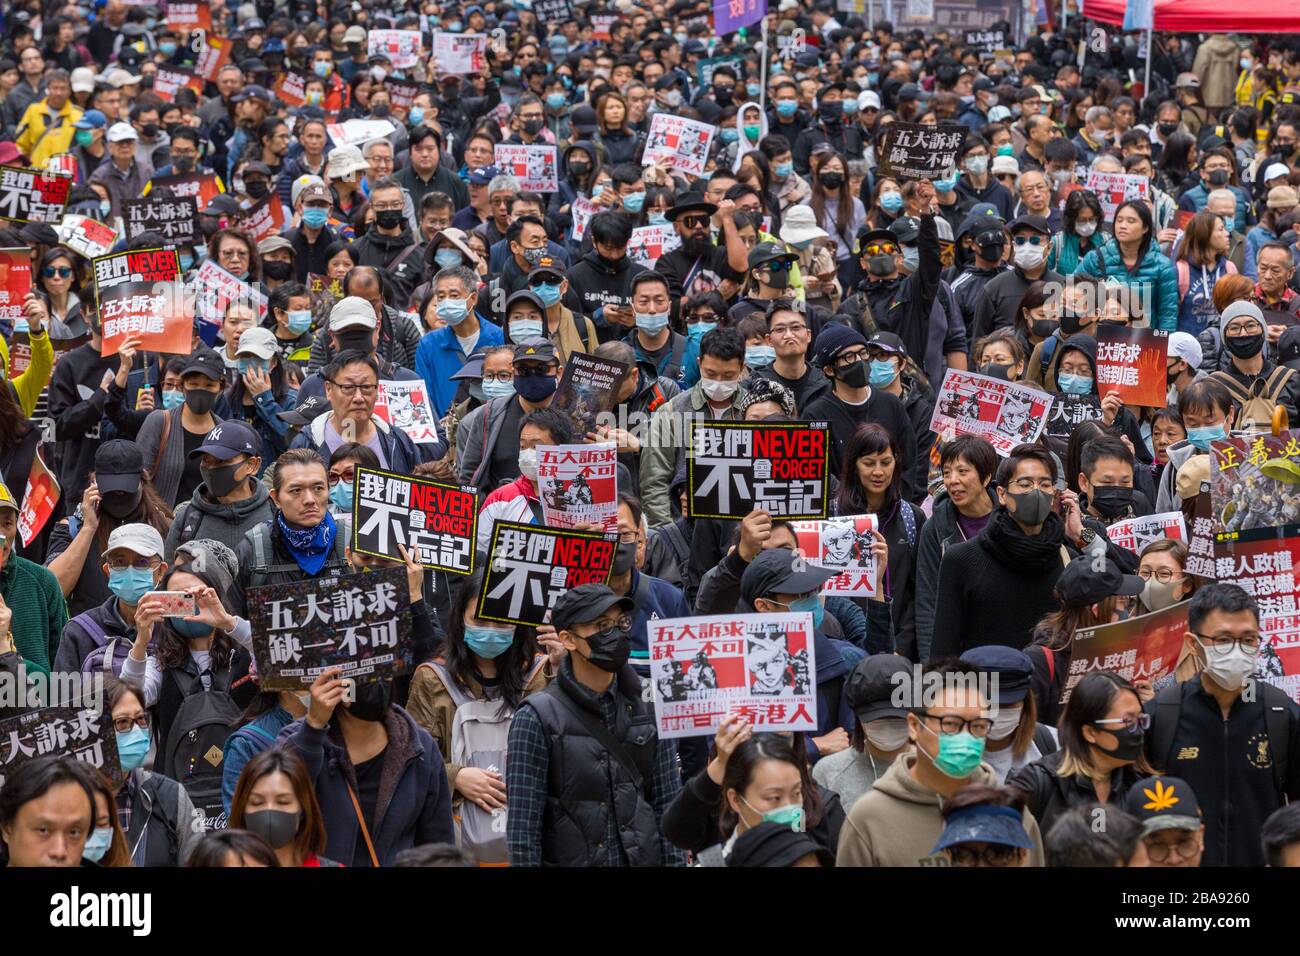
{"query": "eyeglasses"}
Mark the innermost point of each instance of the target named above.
(140, 564)
(702, 317)
(628, 537)
(388, 207)
(1244, 328)
(1158, 852)
(345, 477)
(350, 390)
(499, 376)
(880, 249)
(850, 358)
(1034, 240)
(1029, 484)
(952, 724)
(781, 331)
(123, 725)
(1224, 643)
(63, 272)
(622, 621)
(995, 854)
(1163, 575)
(777, 265)
(1138, 722)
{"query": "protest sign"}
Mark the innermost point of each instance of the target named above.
(437, 523)
(358, 132)
(291, 87)
(919, 151)
(460, 53)
(985, 42)
(175, 219)
(587, 389)
(732, 15)
(201, 186)
(534, 166)
(577, 484)
(1005, 413)
(1145, 647)
(32, 195)
(402, 47)
(1114, 189)
(843, 543)
(360, 623)
(1069, 411)
(648, 243)
(678, 143)
(759, 666)
(83, 731)
(20, 353)
(1131, 362)
(15, 282)
(265, 218)
(213, 55)
(1136, 533)
(406, 405)
(169, 79)
(39, 498)
(214, 289)
(138, 294)
(601, 24)
(86, 236)
(530, 566)
(1255, 486)
(581, 211)
(1200, 546)
(553, 11)
(187, 17)
(737, 467)
(1265, 568)
(324, 285)
(705, 69)
(400, 94)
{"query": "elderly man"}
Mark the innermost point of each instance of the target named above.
(444, 351)
(1272, 293)
(1095, 137)
(46, 129)
(1036, 198)
(124, 176)
(1223, 203)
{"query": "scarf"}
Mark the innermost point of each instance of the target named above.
(309, 548)
(1015, 549)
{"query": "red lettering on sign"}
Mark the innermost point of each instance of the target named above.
(789, 443)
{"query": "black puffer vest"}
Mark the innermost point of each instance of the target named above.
(584, 776)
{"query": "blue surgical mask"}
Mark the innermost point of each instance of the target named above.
(489, 642)
(850, 106)
(783, 170)
(415, 116)
(757, 356)
(700, 329)
(1202, 436)
(812, 604)
(891, 202)
(652, 323)
(657, 219)
(253, 365)
(455, 26)
(105, 207)
(315, 217)
(729, 134)
(521, 329)
(495, 389)
(186, 261)
(167, 48)
(1075, 384)
(946, 185)
(341, 497)
(632, 202)
(453, 311)
(911, 258)
(1229, 222)
(191, 629)
(447, 258)
(882, 372)
(556, 101)
(173, 398)
(130, 584)
(323, 68)
(132, 748)
(548, 292)
(753, 90)
(787, 108)
(101, 838)
(299, 321)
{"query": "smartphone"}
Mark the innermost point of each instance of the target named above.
(141, 392)
(349, 690)
(177, 603)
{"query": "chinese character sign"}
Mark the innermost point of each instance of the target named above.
(460, 53)
(358, 132)
(169, 79)
(175, 219)
(1132, 363)
(39, 498)
(214, 289)
(265, 218)
(32, 195)
(1114, 189)
(86, 236)
(530, 566)
(405, 405)
(738, 467)
(918, 151)
(1136, 533)
(1255, 486)
(15, 283)
(759, 666)
(139, 295)
(732, 15)
(1006, 414)
(184, 17)
(678, 143)
(553, 11)
(1139, 648)
(587, 389)
(577, 484)
(1069, 411)
(215, 53)
(985, 41)
(1266, 569)
(582, 210)
(648, 243)
(1200, 544)
(201, 186)
(292, 88)
(85, 733)
(360, 623)
(844, 544)
(402, 47)
(437, 523)
(534, 166)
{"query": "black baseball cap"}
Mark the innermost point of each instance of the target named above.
(585, 603)
(905, 229)
(1080, 584)
(536, 350)
(780, 571)
(547, 266)
(768, 252)
(1164, 803)
(868, 236)
(1012, 667)
(306, 412)
(118, 466)
(228, 440)
(870, 686)
(1036, 223)
(775, 845)
(206, 362)
(887, 342)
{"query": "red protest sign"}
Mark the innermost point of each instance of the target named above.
(214, 55)
(139, 295)
(265, 218)
(184, 17)
(39, 498)
(1131, 362)
(202, 186)
(32, 195)
(292, 88)
(170, 79)
(1139, 648)
(15, 282)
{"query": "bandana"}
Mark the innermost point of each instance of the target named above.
(311, 547)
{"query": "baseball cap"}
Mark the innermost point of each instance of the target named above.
(1005, 166)
(1164, 803)
(535, 350)
(999, 114)
(780, 571)
(1011, 667)
(230, 439)
(769, 252)
(832, 340)
(547, 266)
(306, 412)
(1183, 345)
(984, 824)
(121, 132)
(83, 80)
(205, 362)
(118, 77)
(524, 295)
(257, 341)
(583, 119)
(1080, 584)
(143, 539)
(1036, 223)
(118, 466)
(252, 92)
(909, 91)
(772, 844)
(868, 100)
(274, 244)
(352, 311)
(869, 688)
(1276, 171)
(354, 34)
(91, 119)
(1187, 81)
(585, 603)
(887, 342)
(7, 498)
(313, 189)
(906, 229)
(483, 175)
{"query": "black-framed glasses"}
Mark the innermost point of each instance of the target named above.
(628, 537)
(1130, 723)
(844, 360)
(1224, 643)
(952, 724)
(350, 390)
(123, 725)
(994, 854)
(622, 621)
(1163, 575)
(702, 317)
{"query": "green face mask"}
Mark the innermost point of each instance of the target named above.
(790, 815)
(752, 130)
(959, 754)
(84, 137)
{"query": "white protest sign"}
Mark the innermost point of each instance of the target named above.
(678, 143)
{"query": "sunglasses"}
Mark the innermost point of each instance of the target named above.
(63, 272)
(1034, 240)
(693, 222)
(880, 249)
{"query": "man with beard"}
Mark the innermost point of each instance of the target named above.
(697, 255)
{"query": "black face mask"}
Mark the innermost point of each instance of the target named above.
(536, 388)
(723, 94)
(1128, 746)
(183, 164)
(1111, 501)
(279, 271)
(380, 109)
(120, 504)
(610, 649)
(532, 127)
(625, 558)
(356, 340)
(832, 181)
(221, 481)
(855, 376)
(778, 278)
(1032, 507)
(389, 218)
(1171, 374)
(579, 170)
(149, 130)
(1042, 327)
(209, 226)
(200, 400)
(882, 266)
(992, 252)
(832, 114)
(1167, 129)
(1218, 178)
(1071, 322)
(373, 700)
(257, 189)
(1244, 346)
(994, 370)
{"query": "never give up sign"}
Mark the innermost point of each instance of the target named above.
(737, 467)
(530, 566)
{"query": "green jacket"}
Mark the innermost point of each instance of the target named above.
(39, 610)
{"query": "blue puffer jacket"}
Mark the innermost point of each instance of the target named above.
(1155, 280)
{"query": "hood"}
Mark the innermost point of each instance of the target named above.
(403, 240)
(589, 148)
(232, 513)
(898, 783)
(599, 264)
(649, 378)
(1179, 452)
(1084, 343)
(743, 143)
(1221, 45)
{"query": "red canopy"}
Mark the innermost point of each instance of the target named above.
(1206, 16)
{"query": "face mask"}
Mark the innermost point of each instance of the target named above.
(276, 827)
(886, 733)
(1128, 746)
(1229, 670)
(723, 95)
(610, 649)
(1167, 129)
(489, 642)
(191, 630)
(105, 207)
(946, 186)
(298, 321)
(991, 251)
(277, 271)
(448, 258)
(977, 165)
(389, 218)
(132, 748)
(832, 181)
(632, 202)
(1006, 150)
(1032, 507)
(532, 127)
(130, 584)
(651, 323)
(758, 356)
(323, 68)
(718, 391)
(84, 137)
(414, 116)
(831, 112)
(1202, 436)
(496, 389)
(891, 202)
(172, 399)
(528, 463)
(358, 340)
(549, 293)
(1244, 346)
(1111, 501)
(372, 701)
(624, 557)
(453, 311)
(1085, 229)
(791, 815)
(882, 372)
(314, 217)
(855, 376)
(777, 278)
(911, 258)
(97, 844)
(1006, 722)
(700, 329)
(1218, 177)
(341, 497)
(1074, 384)
(1245, 63)
(556, 101)
(221, 481)
(521, 329)
(994, 370)
(1158, 595)
(783, 170)
(200, 401)
(959, 754)
(119, 504)
(1029, 257)
(673, 99)
(786, 108)
(657, 218)
(534, 256)
(729, 135)
(535, 388)
(812, 604)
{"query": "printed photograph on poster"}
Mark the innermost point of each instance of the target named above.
(648, 243)
(844, 544)
(32, 195)
(577, 484)
(678, 143)
(530, 566)
(213, 289)
(1132, 362)
(1265, 568)
(360, 623)
(1114, 189)
(581, 210)
(139, 295)
(406, 405)
(436, 522)
(15, 283)
(460, 53)
(1005, 413)
(86, 236)
(1069, 411)
(39, 499)
(401, 47)
(176, 219)
(758, 666)
(534, 166)
(587, 389)
(1136, 533)
(358, 132)
(1145, 647)
(201, 186)
(919, 151)
(734, 468)
(73, 730)
(1255, 485)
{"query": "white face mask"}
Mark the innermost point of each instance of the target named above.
(1029, 257)
(1229, 670)
(1005, 722)
(718, 391)
(528, 463)
(1158, 595)
(887, 733)
(1085, 229)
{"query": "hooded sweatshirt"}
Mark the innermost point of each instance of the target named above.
(899, 820)
(599, 282)
(205, 517)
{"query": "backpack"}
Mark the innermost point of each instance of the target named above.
(261, 569)
(109, 653)
(1260, 399)
(193, 753)
(480, 734)
(1185, 276)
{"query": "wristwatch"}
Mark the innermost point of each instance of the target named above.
(1086, 538)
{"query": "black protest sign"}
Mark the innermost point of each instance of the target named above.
(437, 523)
(33, 195)
(737, 467)
(174, 219)
(917, 151)
(530, 566)
(360, 623)
(553, 11)
(1071, 410)
(985, 41)
(587, 389)
(83, 732)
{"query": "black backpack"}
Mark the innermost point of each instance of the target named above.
(193, 754)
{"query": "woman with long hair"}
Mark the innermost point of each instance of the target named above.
(1201, 262)
(106, 845)
(1133, 262)
(838, 211)
(1177, 164)
(1033, 323)
(268, 713)
(276, 799)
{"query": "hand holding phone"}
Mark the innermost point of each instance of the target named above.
(177, 603)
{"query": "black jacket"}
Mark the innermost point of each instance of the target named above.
(309, 257)
(401, 257)
(940, 533)
(1048, 795)
(880, 408)
(845, 138)
(76, 403)
(599, 283)
(1002, 297)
